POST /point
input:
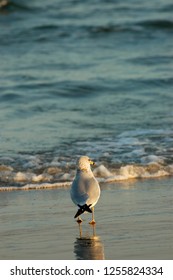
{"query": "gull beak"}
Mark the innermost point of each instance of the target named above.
(92, 163)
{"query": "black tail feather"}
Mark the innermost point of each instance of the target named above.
(82, 209)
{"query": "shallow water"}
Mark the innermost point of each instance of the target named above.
(85, 78)
(134, 221)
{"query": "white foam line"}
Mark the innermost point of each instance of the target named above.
(36, 186)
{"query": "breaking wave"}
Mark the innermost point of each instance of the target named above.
(137, 154)
(54, 178)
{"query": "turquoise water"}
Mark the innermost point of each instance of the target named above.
(92, 77)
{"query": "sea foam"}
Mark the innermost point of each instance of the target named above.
(55, 178)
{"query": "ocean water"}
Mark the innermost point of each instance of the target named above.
(85, 77)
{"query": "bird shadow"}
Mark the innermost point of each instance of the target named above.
(88, 246)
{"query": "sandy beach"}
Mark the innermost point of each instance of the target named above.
(134, 221)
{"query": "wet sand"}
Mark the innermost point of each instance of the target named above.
(134, 221)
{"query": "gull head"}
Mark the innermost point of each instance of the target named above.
(84, 163)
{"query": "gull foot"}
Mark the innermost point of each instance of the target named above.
(92, 222)
(79, 221)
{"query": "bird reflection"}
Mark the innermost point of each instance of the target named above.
(88, 246)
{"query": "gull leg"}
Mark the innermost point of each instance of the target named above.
(93, 220)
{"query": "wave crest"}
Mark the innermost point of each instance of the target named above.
(26, 181)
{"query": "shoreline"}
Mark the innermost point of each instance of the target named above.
(67, 184)
(133, 221)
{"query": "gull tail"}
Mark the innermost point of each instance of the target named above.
(82, 209)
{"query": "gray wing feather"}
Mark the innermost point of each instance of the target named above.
(85, 190)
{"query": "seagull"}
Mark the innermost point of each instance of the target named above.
(85, 190)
